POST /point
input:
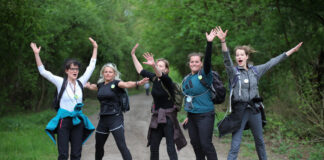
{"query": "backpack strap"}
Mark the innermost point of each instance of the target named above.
(64, 84)
(59, 96)
(81, 85)
(186, 77)
(237, 78)
(165, 89)
(203, 81)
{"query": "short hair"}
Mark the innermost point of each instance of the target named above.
(68, 62)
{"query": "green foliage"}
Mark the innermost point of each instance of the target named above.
(23, 137)
(62, 29)
(293, 89)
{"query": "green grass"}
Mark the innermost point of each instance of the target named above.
(22, 136)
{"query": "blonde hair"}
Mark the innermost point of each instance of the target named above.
(112, 66)
(246, 48)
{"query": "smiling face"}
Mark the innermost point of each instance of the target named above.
(72, 72)
(241, 57)
(108, 74)
(195, 64)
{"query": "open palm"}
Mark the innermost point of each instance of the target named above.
(220, 34)
(36, 49)
(210, 37)
(149, 58)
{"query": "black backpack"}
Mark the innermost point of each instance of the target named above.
(57, 98)
(123, 99)
(217, 88)
(177, 98)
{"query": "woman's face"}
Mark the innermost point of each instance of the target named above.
(161, 66)
(195, 64)
(241, 57)
(108, 74)
(72, 72)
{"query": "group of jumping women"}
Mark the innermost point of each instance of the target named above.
(72, 126)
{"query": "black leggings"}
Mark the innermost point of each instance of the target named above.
(167, 131)
(66, 133)
(200, 128)
(120, 141)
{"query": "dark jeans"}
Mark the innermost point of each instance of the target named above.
(119, 139)
(200, 128)
(66, 133)
(167, 131)
(255, 124)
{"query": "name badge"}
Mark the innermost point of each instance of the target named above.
(188, 99)
(246, 80)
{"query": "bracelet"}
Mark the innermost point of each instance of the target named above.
(223, 41)
(136, 83)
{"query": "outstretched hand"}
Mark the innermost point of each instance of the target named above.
(220, 34)
(210, 37)
(94, 43)
(149, 58)
(36, 49)
(87, 85)
(134, 49)
(295, 49)
(143, 81)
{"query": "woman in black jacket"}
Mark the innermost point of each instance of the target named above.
(162, 92)
(109, 87)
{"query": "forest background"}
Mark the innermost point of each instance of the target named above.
(293, 90)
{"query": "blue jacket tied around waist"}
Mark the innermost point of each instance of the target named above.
(75, 115)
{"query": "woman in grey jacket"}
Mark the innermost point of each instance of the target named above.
(244, 95)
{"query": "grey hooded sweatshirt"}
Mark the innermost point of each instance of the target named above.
(246, 81)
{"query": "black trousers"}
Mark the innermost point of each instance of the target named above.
(200, 128)
(167, 131)
(120, 141)
(66, 133)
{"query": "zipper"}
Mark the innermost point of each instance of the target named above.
(249, 84)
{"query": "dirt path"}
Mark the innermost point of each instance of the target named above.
(136, 126)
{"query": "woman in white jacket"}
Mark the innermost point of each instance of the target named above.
(70, 124)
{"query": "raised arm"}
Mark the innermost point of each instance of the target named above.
(56, 80)
(263, 68)
(207, 61)
(137, 64)
(150, 61)
(227, 58)
(222, 35)
(87, 74)
(36, 51)
(95, 48)
(132, 84)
